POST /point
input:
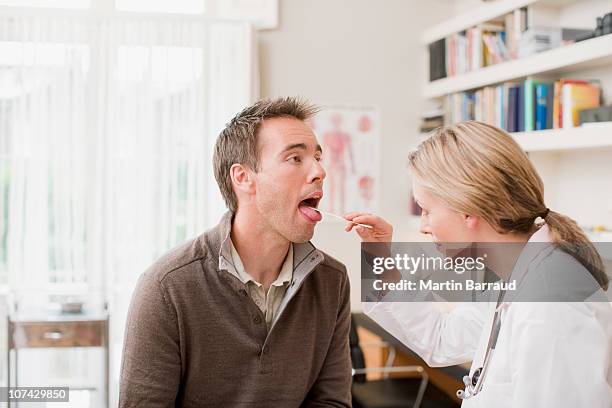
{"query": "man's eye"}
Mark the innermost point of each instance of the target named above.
(295, 159)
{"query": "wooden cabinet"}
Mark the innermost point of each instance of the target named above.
(59, 331)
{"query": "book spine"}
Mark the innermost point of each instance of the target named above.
(511, 110)
(557, 105)
(521, 108)
(510, 38)
(541, 92)
(567, 108)
(529, 105)
(478, 106)
(501, 117)
(476, 48)
(470, 49)
(549, 106)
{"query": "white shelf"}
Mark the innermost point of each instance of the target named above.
(589, 136)
(484, 13)
(585, 54)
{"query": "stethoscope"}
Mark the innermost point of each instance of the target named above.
(473, 384)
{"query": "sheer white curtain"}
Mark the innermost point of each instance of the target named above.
(106, 130)
(44, 188)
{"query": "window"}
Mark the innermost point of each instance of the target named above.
(105, 141)
(161, 6)
(263, 14)
(67, 4)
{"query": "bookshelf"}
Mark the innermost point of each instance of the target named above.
(481, 14)
(593, 53)
(590, 136)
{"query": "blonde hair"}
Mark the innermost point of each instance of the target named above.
(478, 169)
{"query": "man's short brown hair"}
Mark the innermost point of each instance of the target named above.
(237, 143)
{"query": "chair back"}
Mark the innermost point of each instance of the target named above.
(357, 357)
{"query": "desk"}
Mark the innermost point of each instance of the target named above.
(58, 330)
(456, 371)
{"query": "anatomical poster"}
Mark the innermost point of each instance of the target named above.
(350, 137)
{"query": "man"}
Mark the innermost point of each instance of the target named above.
(250, 313)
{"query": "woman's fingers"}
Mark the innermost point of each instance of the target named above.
(351, 215)
(368, 219)
(381, 230)
(378, 224)
(362, 218)
(364, 233)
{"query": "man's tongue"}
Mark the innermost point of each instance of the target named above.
(309, 212)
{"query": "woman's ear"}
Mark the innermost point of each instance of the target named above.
(471, 221)
(242, 178)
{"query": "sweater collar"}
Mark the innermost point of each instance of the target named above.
(305, 255)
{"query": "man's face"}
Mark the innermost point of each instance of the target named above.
(290, 172)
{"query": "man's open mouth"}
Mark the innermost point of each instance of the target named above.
(310, 202)
(307, 207)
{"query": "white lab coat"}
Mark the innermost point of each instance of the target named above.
(547, 354)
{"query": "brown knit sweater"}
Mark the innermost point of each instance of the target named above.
(194, 338)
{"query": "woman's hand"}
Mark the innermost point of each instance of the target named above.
(381, 230)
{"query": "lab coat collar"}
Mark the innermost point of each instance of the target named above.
(536, 246)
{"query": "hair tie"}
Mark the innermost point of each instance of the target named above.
(541, 217)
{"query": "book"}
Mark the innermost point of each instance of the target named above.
(541, 106)
(495, 49)
(511, 117)
(450, 52)
(533, 105)
(556, 119)
(559, 98)
(529, 93)
(478, 111)
(488, 104)
(461, 60)
(521, 108)
(437, 60)
(511, 40)
(549, 106)
(576, 97)
(500, 117)
(475, 48)
(524, 16)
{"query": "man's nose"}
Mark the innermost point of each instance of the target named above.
(317, 172)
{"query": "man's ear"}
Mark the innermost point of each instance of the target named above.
(242, 178)
(471, 221)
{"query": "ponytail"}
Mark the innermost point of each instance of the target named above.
(570, 238)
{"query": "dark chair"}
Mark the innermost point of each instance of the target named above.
(391, 392)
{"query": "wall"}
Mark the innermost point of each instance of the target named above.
(356, 51)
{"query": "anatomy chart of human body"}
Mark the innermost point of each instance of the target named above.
(349, 136)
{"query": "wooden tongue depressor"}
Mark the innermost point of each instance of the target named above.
(340, 217)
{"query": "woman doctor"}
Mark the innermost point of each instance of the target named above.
(475, 184)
